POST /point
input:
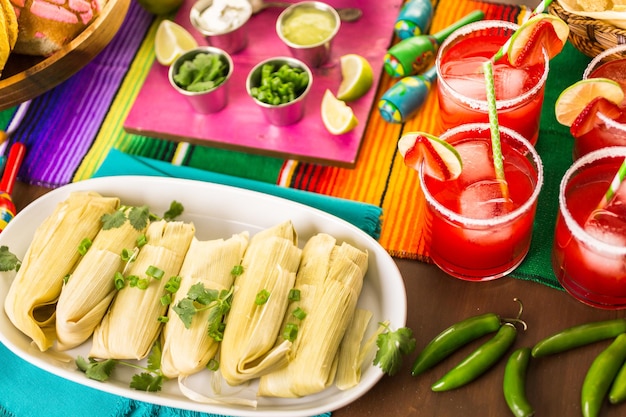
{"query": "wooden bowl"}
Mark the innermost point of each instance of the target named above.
(25, 77)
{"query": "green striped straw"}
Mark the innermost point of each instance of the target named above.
(494, 127)
(615, 184)
(541, 7)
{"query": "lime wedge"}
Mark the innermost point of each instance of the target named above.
(171, 41)
(337, 116)
(357, 77)
(540, 31)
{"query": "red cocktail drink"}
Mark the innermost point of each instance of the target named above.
(608, 131)
(475, 233)
(461, 83)
(589, 253)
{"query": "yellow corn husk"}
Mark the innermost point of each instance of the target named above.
(131, 326)
(52, 255)
(350, 357)
(330, 310)
(88, 293)
(186, 351)
(270, 263)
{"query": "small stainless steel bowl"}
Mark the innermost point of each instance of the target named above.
(232, 39)
(282, 114)
(314, 54)
(209, 101)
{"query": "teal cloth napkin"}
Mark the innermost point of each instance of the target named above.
(362, 215)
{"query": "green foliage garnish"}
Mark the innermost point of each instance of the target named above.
(138, 217)
(280, 86)
(204, 72)
(290, 332)
(262, 297)
(84, 246)
(151, 379)
(392, 346)
(199, 299)
(175, 210)
(237, 270)
(8, 261)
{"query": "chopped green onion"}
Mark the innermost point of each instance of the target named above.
(290, 332)
(294, 294)
(84, 246)
(299, 313)
(120, 281)
(262, 297)
(173, 284)
(155, 272)
(213, 365)
(237, 270)
(163, 319)
(141, 240)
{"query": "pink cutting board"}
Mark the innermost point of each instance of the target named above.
(159, 111)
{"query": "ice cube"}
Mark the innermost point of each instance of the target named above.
(477, 162)
(483, 200)
(608, 226)
(509, 82)
(466, 77)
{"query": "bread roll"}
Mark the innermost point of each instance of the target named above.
(44, 26)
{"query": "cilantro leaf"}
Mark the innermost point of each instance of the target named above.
(198, 299)
(139, 217)
(98, 370)
(8, 261)
(146, 381)
(113, 220)
(175, 210)
(392, 346)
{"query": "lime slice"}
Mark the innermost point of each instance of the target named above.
(441, 160)
(337, 116)
(357, 77)
(540, 31)
(171, 41)
(576, 97)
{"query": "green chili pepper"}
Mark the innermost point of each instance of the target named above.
(617, 394)
(453, 338)
(479, 361)
(513, 385)
(580, 335)
(600, 375)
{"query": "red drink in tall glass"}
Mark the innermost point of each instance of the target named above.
(475, 233)
(461, 82)
(607, 131)
(589, 253)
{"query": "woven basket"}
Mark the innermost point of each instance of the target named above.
(590, 36)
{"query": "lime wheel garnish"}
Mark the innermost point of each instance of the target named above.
(542, 31)
(440, 159)
(580, 99)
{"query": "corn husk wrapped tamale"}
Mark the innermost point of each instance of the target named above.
(53, 253)
(131, 326)
(186, 351)
(330, 279)
(351, 354)
(269, 264)
(88, 293)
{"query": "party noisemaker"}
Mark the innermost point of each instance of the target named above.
(14, 161)
(413, 55)
(404, 98)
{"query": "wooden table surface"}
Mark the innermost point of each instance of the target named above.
(435, 301)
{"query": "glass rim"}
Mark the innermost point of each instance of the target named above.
(577, 231)
(593, 64)
(478, 104)
(498, 220)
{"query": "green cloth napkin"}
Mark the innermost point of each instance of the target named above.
(554, 145)
(364, 216)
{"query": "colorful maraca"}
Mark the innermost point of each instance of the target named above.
(14, 161)
(414, 18)
(404, 98)
(413, 55)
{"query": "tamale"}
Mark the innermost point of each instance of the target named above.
(350, 352)
(131, 325)
(186, 351)
(88, 293)
(315, 350)
(269, 266)
(52, 255)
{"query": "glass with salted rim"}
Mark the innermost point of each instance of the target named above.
(589, 252)
(474, 233)
(461, 85)
(611, 64)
